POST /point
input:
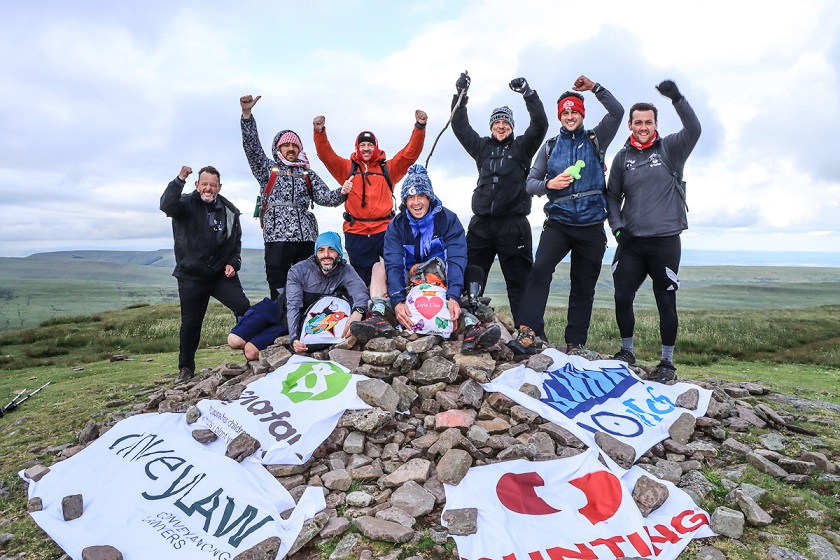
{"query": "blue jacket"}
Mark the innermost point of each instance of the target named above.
(409, 241)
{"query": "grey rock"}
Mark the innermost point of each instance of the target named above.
(649, 494)
(192, 415)
(396, 515)
(769, 415)
(521, 415)
(727, 522)
(518, 451)
(766, 466)
(531, 390)
(539, 362)
(102, 552)
(694, 482)
(354, 443)
(710, 553)
(351, 359)
(470, 394)
(264, 550)
(416, 470)
(368, 421)
(756, 516)
(242, 447)
(422, 344)
(477, 435)
(773, 441)
(34, 504)
(381, 530)
(704, 448)
(435, 370)
(406, 396)
(754, 492)
(736, 447)
(345, 549)
(665, 470)
(623, 454)
(36, 472)
(453, 466)
(88, 433)
(275, 356)
(204, 436)
(230, 392)
(797, 467)
(335, 526)
(381, 344)
(689, 399)
(821, 548)
(72, 507)
(337, 480)
(820, 460)
(561, 435)
(405, 362)
(359, 499)
(461, 521)
(380, 358)
(777, 552)
(413, 499)
(311, 528)
(682, 428)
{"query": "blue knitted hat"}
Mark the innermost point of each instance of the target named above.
(417, 182)
(329, 239)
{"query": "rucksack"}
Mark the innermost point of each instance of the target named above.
(354, 169)
(593, 138)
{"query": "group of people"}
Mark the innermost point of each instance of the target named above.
(394, 251)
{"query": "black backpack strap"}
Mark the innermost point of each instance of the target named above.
(595, 144)
(549, 147)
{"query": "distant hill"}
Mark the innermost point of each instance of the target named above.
(46, 285)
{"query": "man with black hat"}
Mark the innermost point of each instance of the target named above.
(289, 190)
(647, 213)
(323, 273)
(425, 242)
(575, 212)
(208, 247)
(500, 203)
(368, 178)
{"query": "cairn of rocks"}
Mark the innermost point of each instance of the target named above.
(382, 469)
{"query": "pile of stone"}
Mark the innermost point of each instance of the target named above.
(382, 469)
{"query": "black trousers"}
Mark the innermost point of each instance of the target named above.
(195, 294)
(279, 258)
(659, 258)
(510, 239)
(587, 245)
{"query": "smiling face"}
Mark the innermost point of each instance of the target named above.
(366, 150)
(208, 186)
(289, 151)
(418, 205)
(571, 120)
(500, 130)
(642, 125)
(327, 257)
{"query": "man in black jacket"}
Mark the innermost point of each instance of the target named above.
(500, 203)
(208, 246)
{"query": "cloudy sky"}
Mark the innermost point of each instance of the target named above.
(102, 102)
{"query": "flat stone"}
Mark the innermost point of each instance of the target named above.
(750, 490)
(539, 362)
(435, 370)
(396, 515)
(345, 549)
(756, 516)
(311, 528)
(204, 435)
(773, 441)
(34, 504)
(413, 499)
(766, 466)
(727, 522)
(359, 499)
(694, 482)
(102, 552)
(822, 462)
(461, 521)
(649, 494)
(821, 548)
(689, 399)
(682, 428)
(416, 470)
(797, 467)
(494, 426)
(470, 394)
(263, 550)
(422, 344)
(531, 390)
(405, 362)
(72, 507)
(561, 435)
(36, 472)
(710, 553)
(275, 357)
(453, 466)
(736, 447)
(522, 415)
(354, 443)
(380, 358)
(351, 359)
(381, 530)
(381, 344)
(777, 552)
(242, 447)
(623, 454)
(456, 418)
(335, 526)
(337, 480)
(379, 394)
(368, 420)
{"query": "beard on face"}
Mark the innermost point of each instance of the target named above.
(326, 267)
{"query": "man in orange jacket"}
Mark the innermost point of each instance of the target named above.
(370, 176)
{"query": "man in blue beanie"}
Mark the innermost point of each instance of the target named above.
(324, 273)
(420, 237)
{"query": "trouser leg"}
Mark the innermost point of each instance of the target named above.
(628, 274)
(279, 258)
(588, 249)
(516, 258)
(194, 296)
(553, 247)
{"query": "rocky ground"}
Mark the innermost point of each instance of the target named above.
(382, 471)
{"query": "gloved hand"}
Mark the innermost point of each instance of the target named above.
(520, 85)
(669, 89)
(463, 82)
(623, 237)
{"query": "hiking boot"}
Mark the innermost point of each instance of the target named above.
(480, 337)
(665, 372)
(184, 375)
(625, 356)
(572, 346)
(525, 341)
(373, 327)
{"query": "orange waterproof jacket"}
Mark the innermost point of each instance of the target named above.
(378, 201)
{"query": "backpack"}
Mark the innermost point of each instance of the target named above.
(659, 148)
(262, 201)
(354, 169)
(593, 138)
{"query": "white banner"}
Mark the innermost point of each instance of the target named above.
(587, 397)
(290, 411)
(151, 491)
(568, 508)
(325, 320)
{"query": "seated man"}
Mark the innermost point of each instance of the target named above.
(323, 274)
(422, 233)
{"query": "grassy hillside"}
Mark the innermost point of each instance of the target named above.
(67, 283)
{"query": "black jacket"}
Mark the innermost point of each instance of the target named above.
(197, 252)
(502, 166)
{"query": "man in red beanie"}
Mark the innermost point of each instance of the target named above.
(368, 177)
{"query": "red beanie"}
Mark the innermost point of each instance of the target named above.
(570, 103)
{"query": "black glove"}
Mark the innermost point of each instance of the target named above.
(463, 82)
(669, 89)
(623, 237)
(520, 85)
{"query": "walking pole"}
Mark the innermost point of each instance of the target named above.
(11, 402)
(452, 114)
(11, 406)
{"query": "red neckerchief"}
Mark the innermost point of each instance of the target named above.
(639, 146)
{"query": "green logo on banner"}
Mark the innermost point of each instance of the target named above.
(315, 381)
